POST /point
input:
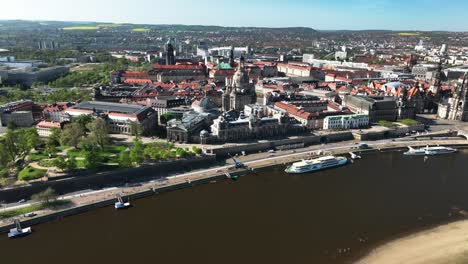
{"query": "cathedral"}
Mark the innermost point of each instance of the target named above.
(239, 91)
(456, 108)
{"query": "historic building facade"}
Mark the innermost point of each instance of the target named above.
(239, 91)
(456, 108)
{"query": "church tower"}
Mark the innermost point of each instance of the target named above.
(239, 91)
(458, 103)
(170, 55)
(436, 82)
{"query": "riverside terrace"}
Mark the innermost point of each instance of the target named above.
(119, 116)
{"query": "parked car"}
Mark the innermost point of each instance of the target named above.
(30, 215)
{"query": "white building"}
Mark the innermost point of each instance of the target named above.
(44, 128)
(346, 121)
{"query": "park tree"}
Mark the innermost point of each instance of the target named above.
(60, 163)
(54, 137)
(99, 132)
(136, 129)
(124, 159)
(196, 150)
(46, 196)
(137, 152)
(91, 157)
(4, 157)
(49, 148)
(72, 134)
(32, 138)
(181, 153)
(10, 140)
(71, 164)
(83, 121)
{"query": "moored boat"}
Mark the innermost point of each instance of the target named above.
(316, 164)
(429, 151)
(120, 204)
(18, 231)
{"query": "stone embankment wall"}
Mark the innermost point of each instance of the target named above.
(99, 180)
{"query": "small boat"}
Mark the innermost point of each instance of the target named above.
(232, 177)
(316, 164)
(18, 231)
(429, 151)
(354, 156)
(120, 204)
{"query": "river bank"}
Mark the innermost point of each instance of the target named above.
(444, 244)
(106, 198)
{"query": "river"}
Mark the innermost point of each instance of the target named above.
(270, 217)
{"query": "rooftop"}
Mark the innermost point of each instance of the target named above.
(110, 107)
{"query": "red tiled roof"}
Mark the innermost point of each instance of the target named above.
(293, 110)
(46, 124)
(178, 67)
(134, 74)
(138, 81)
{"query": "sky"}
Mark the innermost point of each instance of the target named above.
(318, 14)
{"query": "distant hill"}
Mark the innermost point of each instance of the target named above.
(34, 25)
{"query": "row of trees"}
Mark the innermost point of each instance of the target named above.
(82, 132)
(100, 75)
(154, 151)
(55, 96)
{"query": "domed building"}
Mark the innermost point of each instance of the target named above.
(239, 91)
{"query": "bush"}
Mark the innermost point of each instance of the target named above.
(47, 163)
(3, 173)
(30, 173)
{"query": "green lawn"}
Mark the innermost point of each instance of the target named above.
(37, 157)
(62, 148)
(387, 123)
(409, 122)
(47, 163)
(30, 173)
(141, 29)
(81, 28)
(110, 154)
(408, 34)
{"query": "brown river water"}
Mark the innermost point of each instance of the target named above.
(331, 216)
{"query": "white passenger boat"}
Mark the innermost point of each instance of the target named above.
(316, 164)
(429, 151)
(18, 231)
(120, 203)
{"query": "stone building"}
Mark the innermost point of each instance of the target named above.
(239, 91)
(377, 107)
(229, 129)
(456, 107)
(188, 129)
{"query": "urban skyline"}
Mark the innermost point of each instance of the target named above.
(322, 15)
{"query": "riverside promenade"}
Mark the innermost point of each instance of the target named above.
(88, 201)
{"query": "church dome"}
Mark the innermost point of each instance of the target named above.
(204, 133)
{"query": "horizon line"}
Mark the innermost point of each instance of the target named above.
(224, 26)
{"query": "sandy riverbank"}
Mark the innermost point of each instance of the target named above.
(446, 244)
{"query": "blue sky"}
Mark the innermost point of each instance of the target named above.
(319, 14)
